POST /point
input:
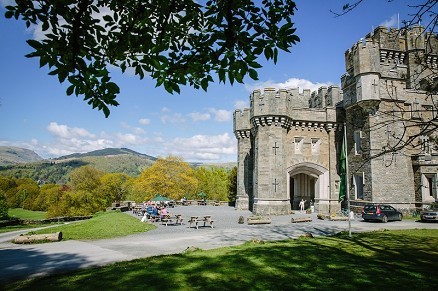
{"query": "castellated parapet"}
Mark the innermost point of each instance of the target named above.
(271, 102)
(241, 125)
(325, 97)
(388, 56)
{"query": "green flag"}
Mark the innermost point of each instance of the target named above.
(343, 173)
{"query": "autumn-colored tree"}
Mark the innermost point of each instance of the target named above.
(114, 187)
(85, 178)
(23, 194)
(170, 177)
(50, 194)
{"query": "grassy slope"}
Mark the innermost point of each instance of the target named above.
(26, 214)
(387, 260)
(101, 226)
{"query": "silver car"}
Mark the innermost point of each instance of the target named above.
(430, 214)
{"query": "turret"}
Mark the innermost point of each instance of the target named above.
(271, 102)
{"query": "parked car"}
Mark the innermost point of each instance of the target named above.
(381, 212)
(430, 214)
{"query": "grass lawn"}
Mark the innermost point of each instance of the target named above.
(26, 214)
(102, 225)
(387, 260)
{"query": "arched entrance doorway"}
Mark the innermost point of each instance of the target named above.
(308, 181)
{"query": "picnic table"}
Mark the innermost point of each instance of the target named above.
(196, 220)
(169, 219)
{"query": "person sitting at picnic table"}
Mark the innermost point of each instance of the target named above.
(163, 212)
(154, 214)
(149, 209)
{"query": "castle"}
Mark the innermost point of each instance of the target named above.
(289, 142)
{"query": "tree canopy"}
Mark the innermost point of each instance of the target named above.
(175, 42)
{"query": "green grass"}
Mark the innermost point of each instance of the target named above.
(387, 260)
(102, 225)
(26, 214)
(20, 227)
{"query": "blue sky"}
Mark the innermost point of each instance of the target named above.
(36, 113)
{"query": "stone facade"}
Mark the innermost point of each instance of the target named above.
(289, 142)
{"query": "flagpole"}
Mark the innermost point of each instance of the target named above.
(347, 186)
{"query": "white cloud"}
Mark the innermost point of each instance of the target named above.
(221, 115)
(392, 22)
(168, 117)
(197, 116)
(136, 130)
(144, 121)
(288, 84)
(204, 147)
(63, 131)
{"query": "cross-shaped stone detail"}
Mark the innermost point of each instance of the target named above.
(374, 84)
(275, 184)
(275, 147)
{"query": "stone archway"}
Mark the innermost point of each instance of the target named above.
(308, 181)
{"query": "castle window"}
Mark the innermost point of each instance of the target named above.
(358, 181)
(299, 141)
(357, 142)
(425, 144)
(315, 145)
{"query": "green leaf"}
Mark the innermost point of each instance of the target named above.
(70, 90)
(33, 43)
(9, 14)
(113, 88)
(253, 74)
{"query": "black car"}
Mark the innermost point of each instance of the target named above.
(381, 212)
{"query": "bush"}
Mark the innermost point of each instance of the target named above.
(3, 207)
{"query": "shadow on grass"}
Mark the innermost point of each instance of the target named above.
(389, 260)
(30, 260)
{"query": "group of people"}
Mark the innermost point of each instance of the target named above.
(153, 212)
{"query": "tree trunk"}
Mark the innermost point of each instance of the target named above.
(33, 238)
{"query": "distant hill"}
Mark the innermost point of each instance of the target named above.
(106, 153)
(16, 155)
(110, 160)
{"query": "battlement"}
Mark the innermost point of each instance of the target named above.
(270, 102)
(325, 97)
(365, 55)
(241, 120)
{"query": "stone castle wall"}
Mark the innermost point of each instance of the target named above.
(289, 141)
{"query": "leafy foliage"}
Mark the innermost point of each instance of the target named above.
(90, 190)
(175, 42)
(232, 185)
(213, 182)
(3, 206)
(170, 177)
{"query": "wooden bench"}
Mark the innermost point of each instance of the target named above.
(166, 219)
(178, 219)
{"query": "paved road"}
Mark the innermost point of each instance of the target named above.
(24, 261)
